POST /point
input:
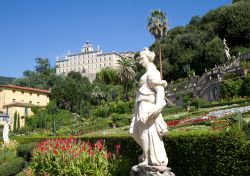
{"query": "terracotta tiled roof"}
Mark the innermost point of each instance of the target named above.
(25, 88)
(19, 104)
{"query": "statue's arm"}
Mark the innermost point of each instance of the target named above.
(159, 103)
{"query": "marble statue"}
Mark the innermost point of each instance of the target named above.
(6, 130)
(226, 49)
(148, 126)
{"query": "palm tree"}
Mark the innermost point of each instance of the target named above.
(126, 72)
(157, 26)
(97, 94)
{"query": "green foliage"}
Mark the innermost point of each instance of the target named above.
(15, 121)
(71, 157)
(119, 120)
(6, 80)
(230, 76)
(172, 110)
(187, 97)
(206, 153)
(199, 102)
(245, 64)
(25, 151)
(199, 44)
(12, 167)
(69, 92)
(107, 76)
(245, 89)
(214, 53)
(18, 121)
(122, 107)
(231, 88)
(126, 73)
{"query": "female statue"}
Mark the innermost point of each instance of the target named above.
(148, 126)
(6, 130)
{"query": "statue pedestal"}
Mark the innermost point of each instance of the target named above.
(146, 170)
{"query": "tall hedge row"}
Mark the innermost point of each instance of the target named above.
(200, 153)
(196, 154)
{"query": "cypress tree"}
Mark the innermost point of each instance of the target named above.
(15, 121)
(18, 121)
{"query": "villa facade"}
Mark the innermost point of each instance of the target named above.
(20, 99)
(89, 61)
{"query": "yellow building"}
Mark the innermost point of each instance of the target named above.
(20, 99)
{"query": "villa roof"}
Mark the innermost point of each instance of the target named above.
(19, 104)
(25, 88)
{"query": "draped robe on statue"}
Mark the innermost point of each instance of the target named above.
(148, 131)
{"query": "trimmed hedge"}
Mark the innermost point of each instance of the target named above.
(25, 151)
(198, 153)
(12, 168)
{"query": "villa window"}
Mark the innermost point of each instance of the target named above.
(22, 92)
(13, 91)
(38, 95)
(26, 111)
(30, 102)
(13, 100)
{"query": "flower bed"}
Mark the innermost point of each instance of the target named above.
(72, 157)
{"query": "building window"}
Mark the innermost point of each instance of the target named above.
(30, 93)
(13, 100)
(13, 91)
(100, 65)
(26, 111)
(22, 92)
(30, 102)
(38, 103)
(38, 95)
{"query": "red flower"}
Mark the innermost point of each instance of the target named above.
(117, 148)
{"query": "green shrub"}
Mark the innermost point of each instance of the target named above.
(202, 153)
(196, 153)
(231, 88)
(172, 110)
(245, 88)
(198, 102)
(12, 167)
(25, 150)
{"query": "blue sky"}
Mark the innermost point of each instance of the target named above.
(50, 28)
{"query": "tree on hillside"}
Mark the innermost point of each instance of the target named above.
(126, 72)
(107, 76)
(97, 94)
(157, 26)
(43, 65)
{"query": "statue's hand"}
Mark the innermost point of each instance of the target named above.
(157, 110)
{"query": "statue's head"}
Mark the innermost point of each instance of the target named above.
(146, 56)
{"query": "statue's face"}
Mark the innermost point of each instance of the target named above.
(143, 60)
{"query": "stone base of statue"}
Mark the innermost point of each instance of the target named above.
(147, 170)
